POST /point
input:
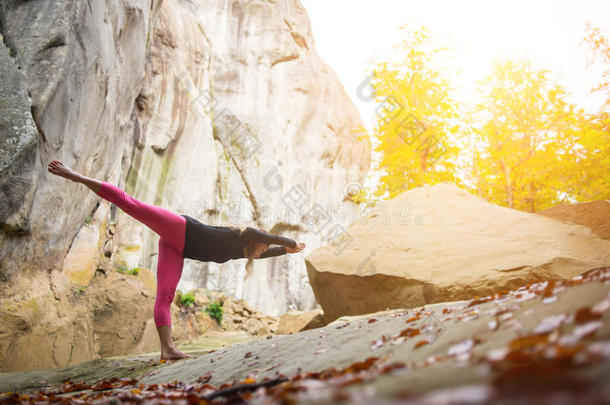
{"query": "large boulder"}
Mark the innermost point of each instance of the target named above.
(440, 243)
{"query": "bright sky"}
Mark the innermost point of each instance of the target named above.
(349, 34)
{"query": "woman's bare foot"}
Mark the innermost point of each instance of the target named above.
(173, 354)
(58, 168)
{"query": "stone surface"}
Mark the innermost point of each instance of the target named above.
(82, 258)
(440, 243)
(545, 342)
(18, 142)
(112, 316)
(82, 66)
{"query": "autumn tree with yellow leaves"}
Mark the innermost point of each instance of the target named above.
(527, 130)
(533, 149)
(415, 118)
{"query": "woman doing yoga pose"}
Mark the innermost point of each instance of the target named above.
(182, 236)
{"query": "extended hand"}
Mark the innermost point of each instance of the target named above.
(300, 246)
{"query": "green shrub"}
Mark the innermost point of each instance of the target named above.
(215, 311)
(186, 300)
(88, 220)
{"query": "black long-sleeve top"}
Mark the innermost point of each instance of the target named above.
(211, 243)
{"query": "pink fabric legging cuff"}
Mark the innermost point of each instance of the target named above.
(171, 228)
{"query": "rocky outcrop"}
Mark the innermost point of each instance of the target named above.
(237, 315)
(70, 71)
(297, 321)
(440, 243)
(220, 110)
(112, 316)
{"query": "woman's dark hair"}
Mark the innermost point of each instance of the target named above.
(249, 246)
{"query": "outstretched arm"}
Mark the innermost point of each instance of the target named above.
(281, 250)
(274, 251)
(256, 235)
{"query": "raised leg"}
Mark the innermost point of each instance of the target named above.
(169, 270)
(166, 223)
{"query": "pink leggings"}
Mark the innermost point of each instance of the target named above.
(171, 228)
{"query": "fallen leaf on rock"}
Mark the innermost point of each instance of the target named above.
(409, 332)
(529, 341)
(478, 301)
(420, 343)
(204, 378)
(361, 365)
(585, 314)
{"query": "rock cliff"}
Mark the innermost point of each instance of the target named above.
(217, 109)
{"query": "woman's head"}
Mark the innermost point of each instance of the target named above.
(253, 250)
